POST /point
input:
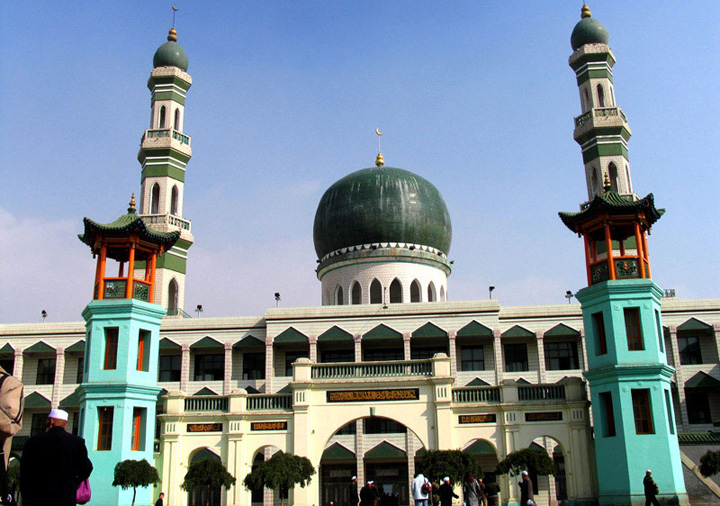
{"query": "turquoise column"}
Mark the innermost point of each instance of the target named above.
(130, 389)
(625, 375)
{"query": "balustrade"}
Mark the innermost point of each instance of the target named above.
(158, 133)
(260, 402)
(206, 403)
(372, 369)
(541, 393)
(599, 112)
(476, 394)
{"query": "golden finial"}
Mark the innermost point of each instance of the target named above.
(131, 208)
(172, 36)
(606, 183)
(585, 12)
(379, 162)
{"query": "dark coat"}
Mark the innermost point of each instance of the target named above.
(446, 494)
(368, 495)
(354, 497)
(526, 491)
(53, 464)
(651, 488)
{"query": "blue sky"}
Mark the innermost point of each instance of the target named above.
(475, 96)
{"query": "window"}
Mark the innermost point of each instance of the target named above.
(698, 406)
(632, 329)
(668, 407)
(347, 430)
(516, 359)
(290, 358)
(601, 95)
(689, 347)
(176, 124)
(172, 308)
(383, 354)
(111, 348)
(80, 368)
(333, 356)
(415, 291)
(143, 358)
(588, 105)
(472, 358)
(425, 353)
(612, 169)
(169, 368)
(38, 424)
(383, 426)
(105, 428)
(599, 331)
(442, 293)
(641, 411)
(594, 182)
(137, 438)
(45, 371)
(155, 199)
(209, 367)
(339, 296)
(253, 365)
(375, 292)
(356, 293)
(174, 201)
(561, 356)
(609, 414)
(431, 292)
(396, 292)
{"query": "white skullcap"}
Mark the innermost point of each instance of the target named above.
(447, 478)
(59, 414)
(524, 473)
(354, 478)
(649, 471)
(370, 482)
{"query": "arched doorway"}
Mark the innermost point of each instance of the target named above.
(486, 455)
(202, 496)
(550, 490)
(264, 496)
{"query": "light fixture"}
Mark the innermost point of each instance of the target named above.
(490, 290)
(198, 310)
(568, 295)
(277, 299)
(43, 313)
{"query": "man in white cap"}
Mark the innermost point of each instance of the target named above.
(446, 492)
(651, 489)
(354, 497)
(53, 465)
(526, 490)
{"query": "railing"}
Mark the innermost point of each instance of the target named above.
(265, 402)
(168, 219)
(206, 403)
(115, 288)
(141, 290)
(599, 112)
(541, 393)
(372, 369)
(476, 394)
(157, 133)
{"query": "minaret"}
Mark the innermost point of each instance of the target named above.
(602, 129)
(119, 389)
(164, 154)
(628, 373)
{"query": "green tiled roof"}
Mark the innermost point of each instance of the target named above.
(337, 451)
(694, 324)
(702, 380)
(290, 335)
(384, 451)
(475, 329)
(77, 347)
(335, 334)
(39, 347)
(429, 330)
(206, 342)
(36, 400)
(614, 204)
(382, 331)
(518, 331)
(481, 447)
(562, 330)
(249, 342)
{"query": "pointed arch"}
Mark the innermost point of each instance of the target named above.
(415, 291)
(588, 103)
(176, 122)
(174, 201)
(594, 181)
(172, 303)
(375, 292)
(162, 119)
(613, 174)
(431, 292)
(356, 293)
(155, 199)
(396, 292)
(339, 296)
(601, 95)
(442, 293)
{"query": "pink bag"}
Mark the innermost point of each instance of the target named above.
(83, 493)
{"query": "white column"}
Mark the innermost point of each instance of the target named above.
(227, 376)
(406, 347)
(185, 367)
(312, 341)
(452, 342)
(269, 369)
(360, 451)
(497, 353)
(59, 372)
(357, 341)
(540, 343)
(18, 365)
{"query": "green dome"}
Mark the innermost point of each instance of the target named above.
(171, 54)
(588, 31)
(378, 205)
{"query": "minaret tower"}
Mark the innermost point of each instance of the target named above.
(119, 389)
(628, 374)
(164, 154)
(602, 129)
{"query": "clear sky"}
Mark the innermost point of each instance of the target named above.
(475, 96)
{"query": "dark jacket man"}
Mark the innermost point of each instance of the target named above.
(53, 465)
(446, 493)
(526, 489)
(651, 489)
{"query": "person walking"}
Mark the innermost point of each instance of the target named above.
(651, 489)
(161, 499)
(369, 494)
(526, 490)
(471, 491)
(421, 490)
(53, 465)
(483, 496)
(491, 492)
(446, 493)
(354, 497)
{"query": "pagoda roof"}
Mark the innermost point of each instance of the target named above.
(612, 203)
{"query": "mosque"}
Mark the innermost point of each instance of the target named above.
(387, 367)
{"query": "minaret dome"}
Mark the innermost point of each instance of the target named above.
(171, 54)
(588, 31)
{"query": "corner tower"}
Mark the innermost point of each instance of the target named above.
(628, 373)
(164, 154)
(382, 236)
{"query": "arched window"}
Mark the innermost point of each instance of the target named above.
(174, 201)
(628, 179)
(415, 291)
(155, 199)
(601, 95)
(375, 292)
(172, 304)
(356, 293)
(396, 295)
(588, 104)
(442, 293)
(431, 292)
(339, 296)
(161, 123)
(594, 182)
(612, 169)
(176, 124)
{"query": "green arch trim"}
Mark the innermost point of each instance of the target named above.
(694, 324)
(335, 334)
(167, 344)
(7, 349)
(205, 454)
(206, 342)
(249, 342)
(481, 447)
(337, 451)
(385, 450)
(77, 347)
(36, 400)
(40, 347)
(290, 335)
(429, 330)
(518, 331)
(382, 331)
(475, 329)
(562, 330)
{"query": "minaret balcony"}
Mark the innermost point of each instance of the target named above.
(166, 219)
(116, 288)
(600, 117)
(626, 267)
(166, 138)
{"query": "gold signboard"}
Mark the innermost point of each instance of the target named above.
(204, 427)
(483, 418)
(256, 426)
(546, 416)
(400, 394)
